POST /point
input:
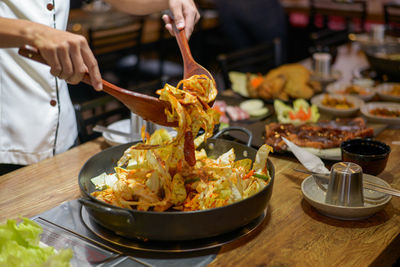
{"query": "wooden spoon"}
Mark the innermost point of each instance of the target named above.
(190, 66)
(147, 107)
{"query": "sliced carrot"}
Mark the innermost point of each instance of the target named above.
(257, 81)
(292, 115)
(248, 175)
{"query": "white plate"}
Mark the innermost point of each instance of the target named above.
(125, 126)
(316, 198)
(383, 90)
(365, 110)
(340, 87)
(122, 126)
(317, 100)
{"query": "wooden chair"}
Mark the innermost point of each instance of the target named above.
(101, 110)
(392, 18)
(351, 14)
(257, 59)
(117, 49)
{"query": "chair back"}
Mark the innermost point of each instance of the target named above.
(392, 18)
(102, 111)
(258, 59)
(117, 48)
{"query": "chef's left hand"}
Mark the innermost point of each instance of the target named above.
(185, 15)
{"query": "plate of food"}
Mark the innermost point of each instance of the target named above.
(366, 93)
(338, 105)
(389, 91)
(286, 82)
(301, 112)
(322, 138)
(382, 112)
(250, 110)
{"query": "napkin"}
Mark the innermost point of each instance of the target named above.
(310, 161)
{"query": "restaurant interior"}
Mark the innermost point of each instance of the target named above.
(318, 81)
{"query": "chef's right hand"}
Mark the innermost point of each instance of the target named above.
(68, 55)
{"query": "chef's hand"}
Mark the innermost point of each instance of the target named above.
(185, 15)
(68, 55)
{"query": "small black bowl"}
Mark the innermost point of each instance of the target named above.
(371, 155)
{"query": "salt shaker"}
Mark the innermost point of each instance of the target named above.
(322, 64)
(136, 127)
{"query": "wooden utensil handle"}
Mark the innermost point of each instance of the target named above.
(32, 53)
(182, 42)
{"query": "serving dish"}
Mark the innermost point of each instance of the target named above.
(366, 111)
(385, 60)
(365, 39)
(384, 90)
(171, 225)
(338, 112)
(363, 92)
(313, 194)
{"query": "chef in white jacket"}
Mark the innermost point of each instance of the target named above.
(37, 119)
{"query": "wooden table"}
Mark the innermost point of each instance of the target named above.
(292, 233)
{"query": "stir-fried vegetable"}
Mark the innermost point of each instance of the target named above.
(164, 172)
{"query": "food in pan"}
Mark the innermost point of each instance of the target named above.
(158, 174)
(321, 135)
(336, 102)
(301, 112)
(155, 180)
(385, 112)
(284, 82)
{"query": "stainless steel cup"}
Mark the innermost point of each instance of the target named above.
(136, 127)
(345, 186)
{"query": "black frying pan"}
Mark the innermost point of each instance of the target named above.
(172, 225)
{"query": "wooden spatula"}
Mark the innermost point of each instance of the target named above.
(147, 107)
(190, 66)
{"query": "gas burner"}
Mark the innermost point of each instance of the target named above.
(165, 246)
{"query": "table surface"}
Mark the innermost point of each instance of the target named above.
(292, 233)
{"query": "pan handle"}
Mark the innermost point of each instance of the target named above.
(237, 128)
(104, 209)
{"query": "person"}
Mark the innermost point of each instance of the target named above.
(36, 114)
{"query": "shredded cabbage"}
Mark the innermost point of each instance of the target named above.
(156, 174)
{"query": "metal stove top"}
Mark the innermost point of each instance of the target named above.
(69, 226)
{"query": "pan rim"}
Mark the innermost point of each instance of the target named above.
(271, 169)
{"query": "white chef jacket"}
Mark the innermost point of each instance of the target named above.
(37, 119)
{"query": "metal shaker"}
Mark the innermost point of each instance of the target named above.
(345, 186)
(137, 123)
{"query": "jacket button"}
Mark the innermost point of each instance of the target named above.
(53, 102)
(50, 6)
